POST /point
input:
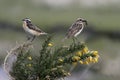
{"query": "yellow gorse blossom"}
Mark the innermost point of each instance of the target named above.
(95, 53)
(89, 59)
(78, 53)
(29, 65)
(95, 60)
(85, 50)
(60, 60)
(86, 62)
(68, 74)
(81, 62)
(29, 58)
(85, 56)
(75, 58)
(50, 44)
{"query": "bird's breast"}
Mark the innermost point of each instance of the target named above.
(30, 31)
(79, 32)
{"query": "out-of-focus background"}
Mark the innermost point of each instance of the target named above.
(55, 17)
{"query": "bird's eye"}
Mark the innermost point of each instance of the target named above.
(80, 19)
(27, 21)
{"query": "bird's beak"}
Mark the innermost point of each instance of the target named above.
(85, 21)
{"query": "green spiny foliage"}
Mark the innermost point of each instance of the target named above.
(23, 68)
(51, 64)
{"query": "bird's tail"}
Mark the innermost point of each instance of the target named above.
(43, 33)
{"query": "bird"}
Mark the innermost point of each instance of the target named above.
(31, 30)
(76, 28)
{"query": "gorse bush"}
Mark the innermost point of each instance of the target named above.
(51, 63)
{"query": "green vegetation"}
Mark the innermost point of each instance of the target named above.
(51, 63)
(104, 17)
(101, 17)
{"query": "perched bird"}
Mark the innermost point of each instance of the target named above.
(76, 28)
(31, 30)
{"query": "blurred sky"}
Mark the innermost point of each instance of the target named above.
(88, 3)
(51, 12)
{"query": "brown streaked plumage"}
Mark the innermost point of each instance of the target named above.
(76, 28)
(31, 29)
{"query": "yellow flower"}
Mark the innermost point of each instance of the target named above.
(74, 63)
(86, 62)
(85, 50)
(69, 74)
(81, 62)
(95, 53)
(75, 58)
(50, 44)
(79, 53)
(89, 59)
(95, 60)
(29, 58)
(29, 65)
(61, 60)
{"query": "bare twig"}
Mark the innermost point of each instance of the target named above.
(12, 57)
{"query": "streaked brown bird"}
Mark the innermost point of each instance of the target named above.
(76, 28)
(31, 30)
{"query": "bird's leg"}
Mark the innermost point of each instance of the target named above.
(33, 38)
(75, 40)
(28, 38)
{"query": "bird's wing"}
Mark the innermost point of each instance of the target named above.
(31, 26)
(39, 30)
(76, 27)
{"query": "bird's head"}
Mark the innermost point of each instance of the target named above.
(27, 20)
(82, 20)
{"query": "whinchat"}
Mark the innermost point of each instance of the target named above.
(76, 28)
(31, 30)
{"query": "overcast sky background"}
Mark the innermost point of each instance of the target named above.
(82, 2)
